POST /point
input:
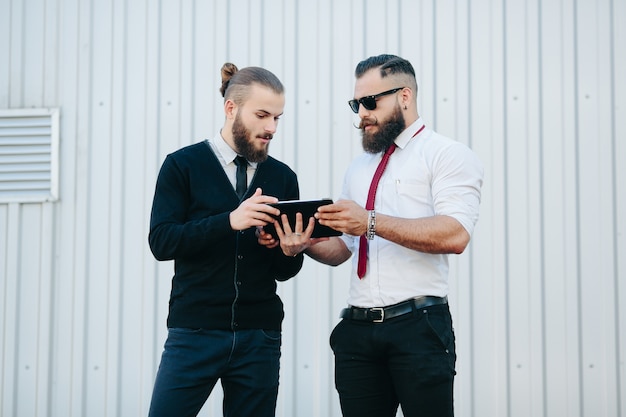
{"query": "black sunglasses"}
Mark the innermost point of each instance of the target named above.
(369, 102)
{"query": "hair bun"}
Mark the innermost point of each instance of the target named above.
(228, 70)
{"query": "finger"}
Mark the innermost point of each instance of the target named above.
(279, 231)
(309, 228)
(269, 237)
(298, 226)
(327, 215)
(264, 207)
(264, 236)
(261, 203)
(261, 219)
(329, 208)
(266, 239)
(272, 245)
(334, 223)
(267, 242)
(286, 225)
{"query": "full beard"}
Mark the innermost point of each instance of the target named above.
(245, 142)
(388, 131)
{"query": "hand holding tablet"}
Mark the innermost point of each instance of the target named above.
(308, 209)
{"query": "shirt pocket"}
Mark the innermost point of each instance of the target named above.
(414, 198)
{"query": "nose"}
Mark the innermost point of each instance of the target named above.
(363, 112)
(271, 126)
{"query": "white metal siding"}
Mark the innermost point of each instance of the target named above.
(535, 88)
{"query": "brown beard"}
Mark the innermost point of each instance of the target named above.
(244, 142)
(388, 131)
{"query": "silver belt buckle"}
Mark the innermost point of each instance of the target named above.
(382, 314)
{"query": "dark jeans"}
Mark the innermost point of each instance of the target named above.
(408, 360)
(246, 362)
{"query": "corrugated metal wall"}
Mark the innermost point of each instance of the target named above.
(535, 88)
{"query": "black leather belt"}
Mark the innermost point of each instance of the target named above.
(380, 314)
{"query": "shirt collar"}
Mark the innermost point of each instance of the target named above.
(407, 134)
(226, 152)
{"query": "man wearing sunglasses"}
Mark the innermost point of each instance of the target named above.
(410, 200)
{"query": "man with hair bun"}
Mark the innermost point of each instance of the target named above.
(210, 199)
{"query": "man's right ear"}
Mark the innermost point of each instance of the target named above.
(230, 109)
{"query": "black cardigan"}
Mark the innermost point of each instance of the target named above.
(223, 279)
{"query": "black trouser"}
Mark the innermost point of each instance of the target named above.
(407, 360)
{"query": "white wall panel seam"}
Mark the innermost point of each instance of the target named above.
(619, 360)
(10, 325)
(581, 387)
(542, 209)
(507, 196)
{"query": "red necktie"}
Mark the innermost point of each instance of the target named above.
(369, 205)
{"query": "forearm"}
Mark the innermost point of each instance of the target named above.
(286, 267)
(170, 239)
(330, 252)
(436, 234)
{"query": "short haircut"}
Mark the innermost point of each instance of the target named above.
(389, 65)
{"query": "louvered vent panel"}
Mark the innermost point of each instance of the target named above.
(29, 155)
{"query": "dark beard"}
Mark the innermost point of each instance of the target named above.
(388, 131)
(244, 142)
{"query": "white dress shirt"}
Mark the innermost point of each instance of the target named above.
(427, 175)
(226, 155)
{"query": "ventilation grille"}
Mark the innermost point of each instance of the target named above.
(29, 141)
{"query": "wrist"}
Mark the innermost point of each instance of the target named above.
(371, 225)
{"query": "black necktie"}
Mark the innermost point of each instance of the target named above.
(242, 177)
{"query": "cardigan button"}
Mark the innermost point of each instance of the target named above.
(239, 257)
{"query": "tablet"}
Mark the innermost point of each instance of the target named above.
(308, 209)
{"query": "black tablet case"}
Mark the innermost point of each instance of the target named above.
(308, 209)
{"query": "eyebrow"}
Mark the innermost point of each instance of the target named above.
(265, 112)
